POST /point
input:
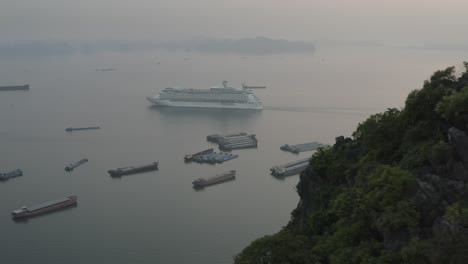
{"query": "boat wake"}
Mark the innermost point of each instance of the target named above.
(323, 110)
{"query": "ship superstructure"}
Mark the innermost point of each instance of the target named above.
(215, 97)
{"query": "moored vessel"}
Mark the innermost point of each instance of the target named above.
(296, 149)
(11, 174)
(15, 88)
(46, 207)
(290, 168)
(220, 178)
(69, 129)
(245, 86)
(190, 157)
(133, 169)
(73, 165)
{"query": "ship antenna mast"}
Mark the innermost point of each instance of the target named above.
(225, 84)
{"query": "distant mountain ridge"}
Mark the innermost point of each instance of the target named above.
(258, 45)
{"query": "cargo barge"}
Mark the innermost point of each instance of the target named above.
(220, 178)
(69, 129)
(238, 146)
(73, 165)
(290, 168)
(214, 157)
(216, 138)
(190, 157)
(11, 174)
(133, 169)
(296, 149)
(15, 88)
(46, 207)
(234, 141)
(245, 86)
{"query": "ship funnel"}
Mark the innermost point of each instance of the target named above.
(224, 84)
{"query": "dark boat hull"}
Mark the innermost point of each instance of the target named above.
(71, 202)
(201, 183)
(124, 171)
(14, 88)
(70, 129)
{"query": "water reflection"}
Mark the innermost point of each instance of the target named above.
(213, 113)
(324, 110)
(226, 120)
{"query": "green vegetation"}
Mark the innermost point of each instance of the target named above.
(376, 198)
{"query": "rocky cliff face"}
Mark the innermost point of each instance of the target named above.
(439, 185)
(397, 192)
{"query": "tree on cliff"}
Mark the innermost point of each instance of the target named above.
(396, 193)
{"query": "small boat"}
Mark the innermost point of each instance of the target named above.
(11, 174)
(73, 165)
(133, 169)
(69, 129)
(15, 88)
(190, 157)
(245, 86)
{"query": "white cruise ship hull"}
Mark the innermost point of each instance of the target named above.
(160, 102)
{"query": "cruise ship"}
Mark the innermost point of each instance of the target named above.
(215, 97)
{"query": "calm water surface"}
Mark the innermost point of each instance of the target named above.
(156, 217)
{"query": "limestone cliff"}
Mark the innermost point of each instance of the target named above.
(394, 193)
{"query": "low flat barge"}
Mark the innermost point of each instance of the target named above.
(296, 149)
(190, 157)
(15, 88)
(220, 178)
(46, 207)
(214, 157)
(11, 174)
(133, 169)
(69, 129)
(73, 165)
(245, 86)
(216, 137)
(234, 141)
(238, 146)
(290, 168)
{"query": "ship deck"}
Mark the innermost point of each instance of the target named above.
(47, 204)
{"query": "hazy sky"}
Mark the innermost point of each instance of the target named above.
(390, 21)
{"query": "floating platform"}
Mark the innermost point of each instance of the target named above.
(296, 149)
(43, 208)
(73, 165)
(234, 141)
(11, 174)
(214, 157)
(69, 129)
(220, 178)
(133, 169)
(190, 157)
(15, 88)
(215, 137)
(290, 168)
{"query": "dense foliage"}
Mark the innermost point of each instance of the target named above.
(360, 199)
